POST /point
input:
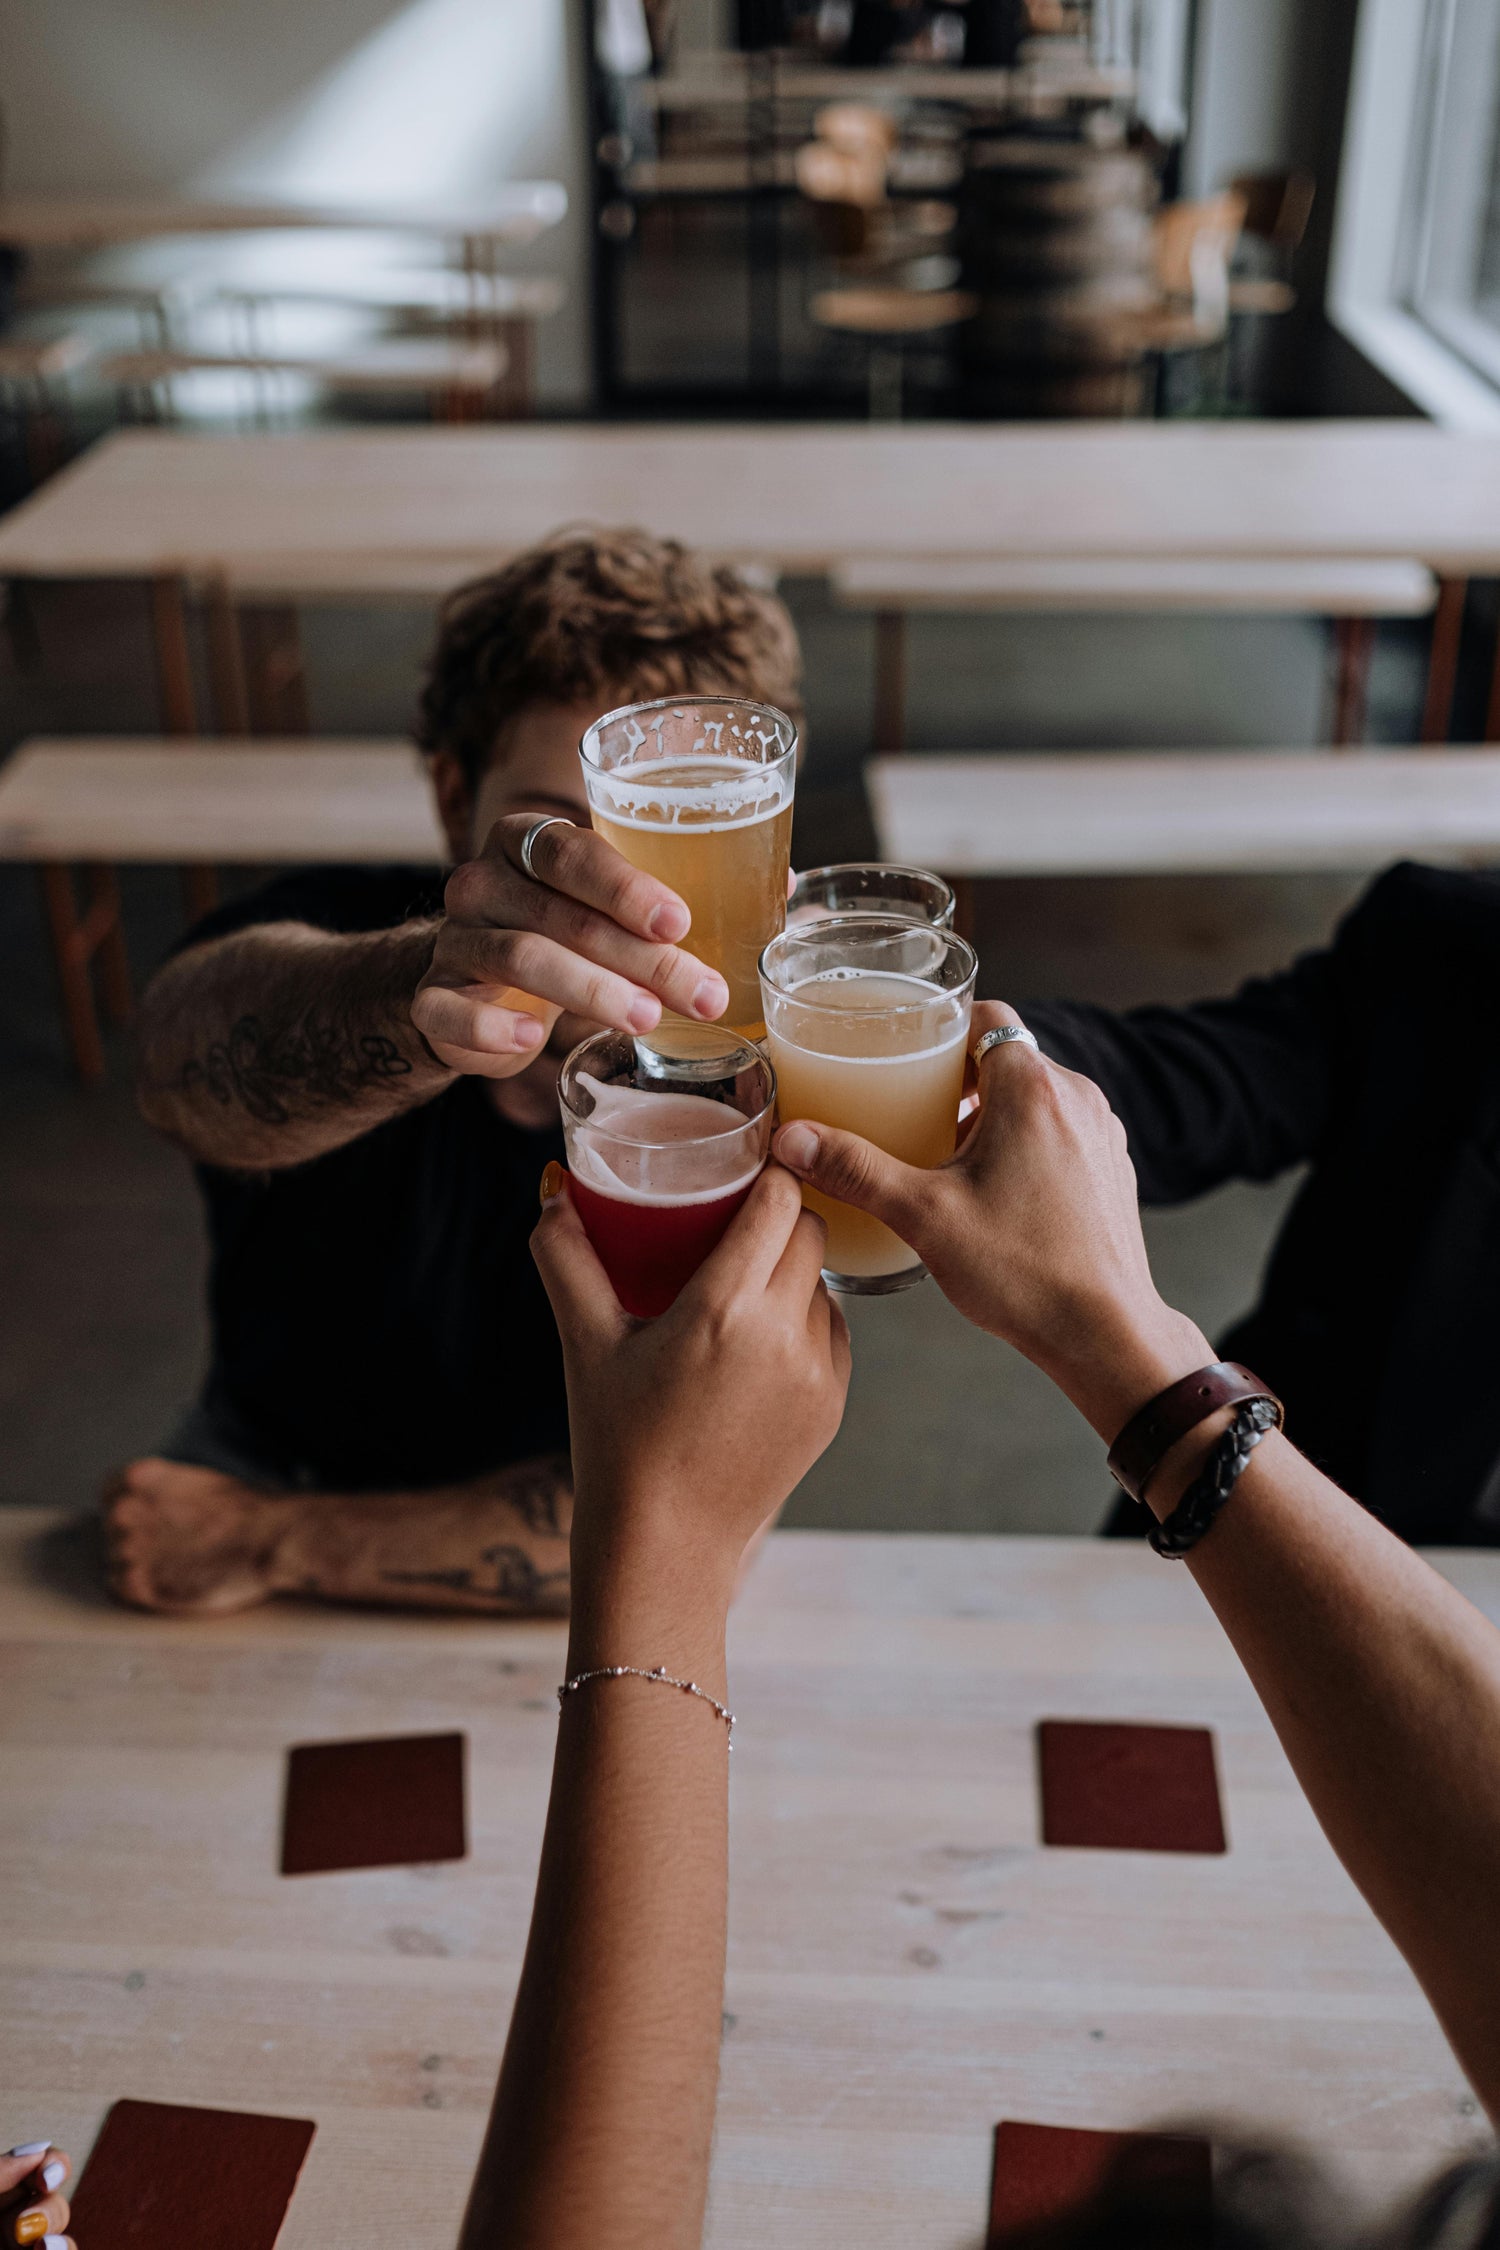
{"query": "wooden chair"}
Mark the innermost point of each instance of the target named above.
(98, 802)
(33, 373)
(890, 321)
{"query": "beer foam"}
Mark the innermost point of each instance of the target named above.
(739, 795)
(634, 1142)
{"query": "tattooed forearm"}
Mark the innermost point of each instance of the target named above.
(281, 1042)
(260, 1066)
(504, 1578)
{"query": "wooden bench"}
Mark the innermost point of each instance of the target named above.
(1353, 592)
(1183, 811)
(461, 379)
(98, 802)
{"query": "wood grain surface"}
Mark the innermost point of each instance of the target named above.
(907, 1964)
(799, 497)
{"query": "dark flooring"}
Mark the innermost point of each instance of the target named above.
(101, 1330)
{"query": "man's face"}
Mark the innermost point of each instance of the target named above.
(538, 769)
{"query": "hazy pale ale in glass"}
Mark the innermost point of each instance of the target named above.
(662, 1151)
(698, 792)
(867, 1021)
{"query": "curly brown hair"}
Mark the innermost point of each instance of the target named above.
(608, 616)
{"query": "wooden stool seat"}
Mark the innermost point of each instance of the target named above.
(892, 312)
(1184, 811)
(102, 801)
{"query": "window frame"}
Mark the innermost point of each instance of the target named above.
(1372, 248)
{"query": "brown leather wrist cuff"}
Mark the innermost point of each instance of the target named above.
(1149, 1436)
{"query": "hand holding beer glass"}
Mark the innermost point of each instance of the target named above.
(867, 1022)
(697, 790)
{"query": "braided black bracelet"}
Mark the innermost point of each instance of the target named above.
(1215, 1481)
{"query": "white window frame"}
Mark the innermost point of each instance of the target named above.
(1379, 149)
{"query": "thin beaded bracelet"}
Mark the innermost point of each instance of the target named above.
(662, 1677)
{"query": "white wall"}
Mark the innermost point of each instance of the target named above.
(387, 98)
(1245, 113)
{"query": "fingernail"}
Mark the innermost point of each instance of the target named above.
(31, 2148)
(54, 2242)
(644, 1013)
(551, 1183)
(529, 1033)
(711, 997)
(797, 1147)
(31, 2226)
(53, 2176)
(669, 923)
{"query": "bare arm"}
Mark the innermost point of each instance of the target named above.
(603, 2120)
(278, 1043)
(1382, 1682)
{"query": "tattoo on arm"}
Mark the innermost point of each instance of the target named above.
(280, 1042)
(259, 1067)
(507, 1577)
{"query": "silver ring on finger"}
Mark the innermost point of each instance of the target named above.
(528, 841)
(1002, 1037)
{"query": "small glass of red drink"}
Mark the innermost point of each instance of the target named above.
(663, 1148)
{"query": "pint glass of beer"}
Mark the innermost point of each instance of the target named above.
(698, 791)
(867, 1021)
(662, 1151)
(870, 887)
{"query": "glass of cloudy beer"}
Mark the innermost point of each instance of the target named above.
(662, 1151)
(867, 1021)
(697, 790)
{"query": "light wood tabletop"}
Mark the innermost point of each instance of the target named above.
(151, 501)
(516, 212)
(906, 1967)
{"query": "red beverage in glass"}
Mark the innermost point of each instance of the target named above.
(649, 1250)
(663, 1148)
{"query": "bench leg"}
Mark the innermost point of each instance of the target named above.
(1492, 714)
(275, 672)
(1442, 664)
(70, 954)
(226, 662)
(105, 933)
(889, 728)
(1354, 646)
(179, 707)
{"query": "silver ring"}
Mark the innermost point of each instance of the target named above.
(552, 820)
(1002, 1038)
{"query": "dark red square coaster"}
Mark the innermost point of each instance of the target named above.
(1044, 2171)
(216, 2178)
(1129, 1788)
(392, 1803)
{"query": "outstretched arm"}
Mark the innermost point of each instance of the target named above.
(603, 2119)
(274, 1044)
(1382, 1682)
(280, 1042)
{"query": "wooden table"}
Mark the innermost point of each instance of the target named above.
(906, 1965)
(157, 504)
(516, 212)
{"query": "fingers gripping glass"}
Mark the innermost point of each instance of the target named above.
(662, 1151)
(697, 790)
(867, 1021)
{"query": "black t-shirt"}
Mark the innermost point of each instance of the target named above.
(377, 1318)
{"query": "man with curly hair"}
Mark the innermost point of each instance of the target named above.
(383, 1418)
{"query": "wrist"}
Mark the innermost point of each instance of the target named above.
(1117, 1359)
(643, 1591)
